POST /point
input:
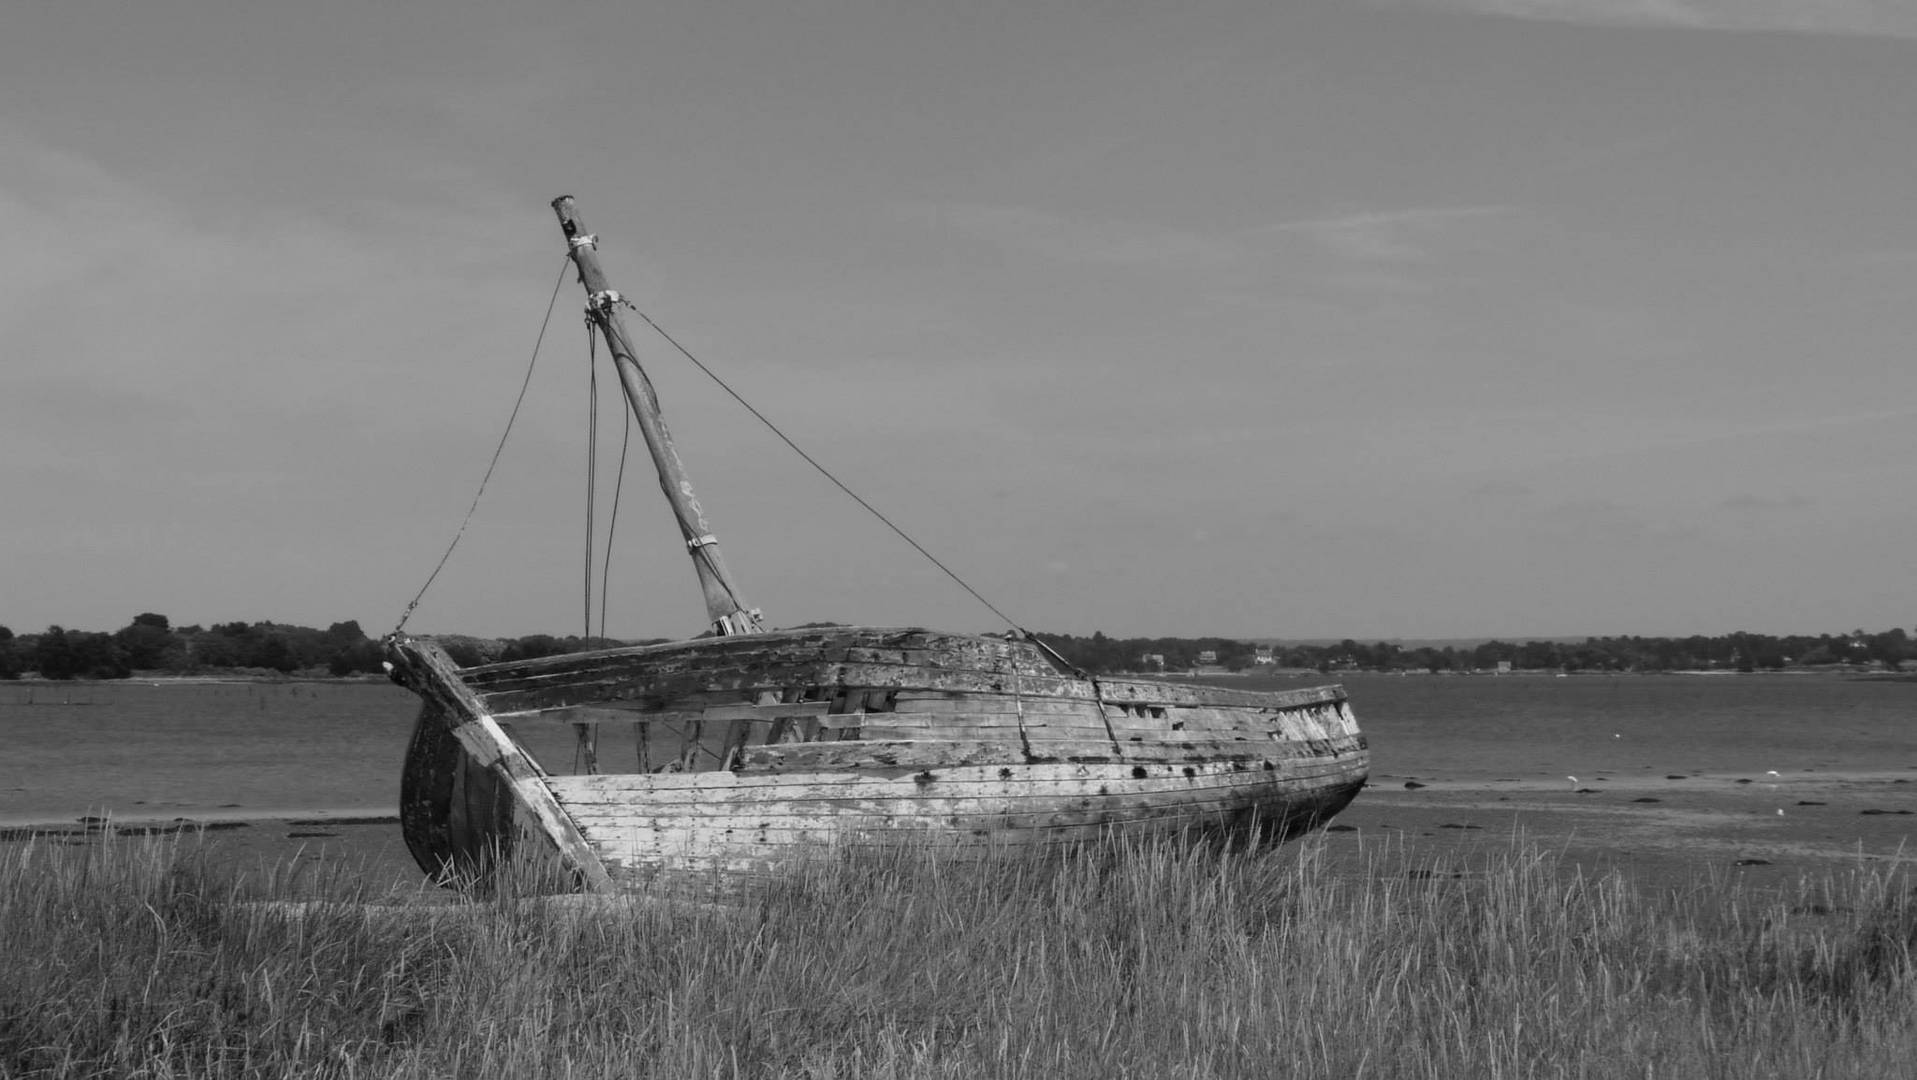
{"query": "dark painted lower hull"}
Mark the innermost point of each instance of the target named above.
(750, 752)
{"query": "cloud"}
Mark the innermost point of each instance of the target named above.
(1390, 236)
(1375, 252)
(117, 288)
(1501, 489)
(1602, 521)
(179, 368)
(1402, 236)
(1068, 240)
(1759, 504)
(1387, 255)
(1856, 18)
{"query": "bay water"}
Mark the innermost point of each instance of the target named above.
(155, 751)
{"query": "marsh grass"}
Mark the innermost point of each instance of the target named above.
(140, 958)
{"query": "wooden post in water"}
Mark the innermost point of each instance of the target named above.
(725, 607)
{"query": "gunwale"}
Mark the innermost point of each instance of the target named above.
(862, 733)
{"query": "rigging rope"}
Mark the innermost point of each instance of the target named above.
(591, 469)
(497, 450)
(612, 525)
(823, 471)
(592, 476)
(592, 462)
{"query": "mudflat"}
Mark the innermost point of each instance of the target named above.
(1667, 831)
(1661, 833)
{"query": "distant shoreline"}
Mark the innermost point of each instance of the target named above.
(235, 678)
(225, 816)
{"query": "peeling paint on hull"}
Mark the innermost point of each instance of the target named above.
(748, 751)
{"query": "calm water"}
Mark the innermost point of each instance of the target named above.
(1531, 726)
(192, 749)
(188, 749)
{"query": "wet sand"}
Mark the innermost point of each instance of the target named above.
(1767, 830)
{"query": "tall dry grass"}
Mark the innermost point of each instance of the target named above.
(1148, 959)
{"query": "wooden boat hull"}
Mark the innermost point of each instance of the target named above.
(748, 751)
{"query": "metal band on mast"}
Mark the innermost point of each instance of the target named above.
(725, 607)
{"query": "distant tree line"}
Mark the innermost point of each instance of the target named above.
(1098, 654)
(1740, 651)
(150, 644)
(467, 651)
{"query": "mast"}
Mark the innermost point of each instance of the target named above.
(725, 608)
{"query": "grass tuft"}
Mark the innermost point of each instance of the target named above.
(1151, 958)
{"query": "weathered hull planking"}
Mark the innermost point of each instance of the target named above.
(721, 758)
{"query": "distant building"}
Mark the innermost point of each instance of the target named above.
(1152, 661)
(1504, 667)
(1262, 654)
(1207, 657)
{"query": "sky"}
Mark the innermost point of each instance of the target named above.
(1317, 319)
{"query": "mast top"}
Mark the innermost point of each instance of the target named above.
(726, 608)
